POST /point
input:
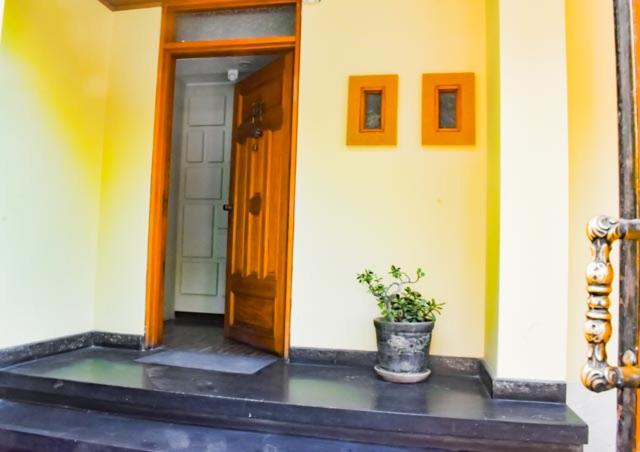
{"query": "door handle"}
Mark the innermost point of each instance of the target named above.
(227, 207)
(597, 374)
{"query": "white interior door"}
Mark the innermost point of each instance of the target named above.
(201, 248)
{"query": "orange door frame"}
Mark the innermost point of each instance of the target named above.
(169, 52)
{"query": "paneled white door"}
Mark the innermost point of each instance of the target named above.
(201, 248)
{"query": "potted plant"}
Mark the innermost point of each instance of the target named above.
(404, 329)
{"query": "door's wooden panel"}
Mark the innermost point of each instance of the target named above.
(260, 193)
(636, 23)
(256, 313)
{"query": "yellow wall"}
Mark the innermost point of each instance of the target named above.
(89, 120)
(492, 287)
(409, 205)
(1, 17)
(126, 170)
(534, 185)
(76, 126)
(381, 188)
(334, 183)
(593, 189)
(53, 86)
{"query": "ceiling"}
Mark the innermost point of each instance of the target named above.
(117, 5)
(214, 69)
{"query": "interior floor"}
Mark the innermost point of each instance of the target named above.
(203, 333)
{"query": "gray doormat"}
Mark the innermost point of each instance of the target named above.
(210, 361)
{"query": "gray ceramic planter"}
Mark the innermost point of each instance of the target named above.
(403, 349)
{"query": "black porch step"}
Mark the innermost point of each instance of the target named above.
(450, 412)
(28, 427)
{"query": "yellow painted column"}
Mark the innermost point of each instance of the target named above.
(1, 16)
(126, 172)
(54, 65)
(531, 152)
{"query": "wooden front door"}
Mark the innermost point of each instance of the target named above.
(627, 426)
(260, 179)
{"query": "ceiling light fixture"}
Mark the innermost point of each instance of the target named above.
(232, 75)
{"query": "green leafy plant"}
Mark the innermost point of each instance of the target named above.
(397, 301)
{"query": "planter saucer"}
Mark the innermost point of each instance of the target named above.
(397, 377)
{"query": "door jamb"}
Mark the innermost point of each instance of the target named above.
(625, 16)
(160, 168)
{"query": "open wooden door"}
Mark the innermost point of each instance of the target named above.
(629, 424)
(621, 373)
(259, 210)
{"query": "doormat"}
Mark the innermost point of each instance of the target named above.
(210, 361)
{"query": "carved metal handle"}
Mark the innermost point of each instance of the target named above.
(597, 375)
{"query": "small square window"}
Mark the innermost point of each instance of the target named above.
(372, 113)
(448, 109)
(372, 110)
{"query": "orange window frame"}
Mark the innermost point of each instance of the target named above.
(465, 131)
(387, 134)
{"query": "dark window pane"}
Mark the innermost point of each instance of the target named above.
(447, 109)
(236, 23)
(373, 110)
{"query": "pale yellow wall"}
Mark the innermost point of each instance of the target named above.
(126, 170)
(355, 207)
(334, 184)
(53, 85)
(534, 186)
(408, 205)
(1, 16)
(76, 130)
(492, 287)
(593, 189)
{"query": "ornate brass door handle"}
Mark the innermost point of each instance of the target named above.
(597, 374)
